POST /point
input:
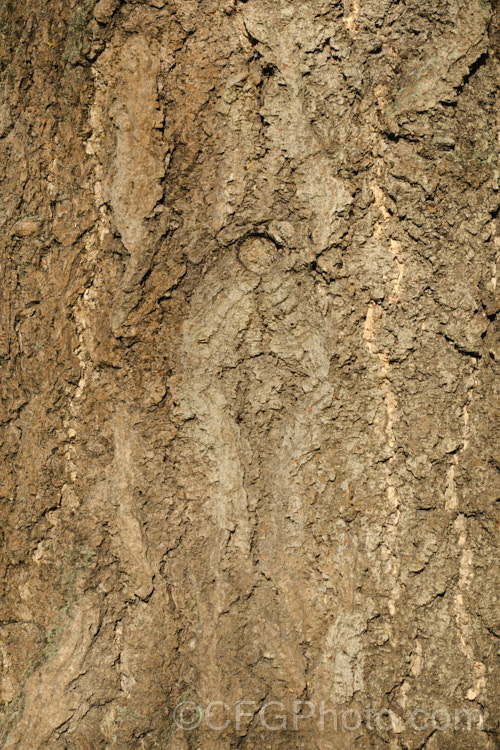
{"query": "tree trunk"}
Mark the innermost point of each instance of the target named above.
(250, 367)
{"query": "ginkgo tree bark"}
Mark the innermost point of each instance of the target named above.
(250, 374)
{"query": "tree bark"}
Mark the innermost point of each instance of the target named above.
(250, 374)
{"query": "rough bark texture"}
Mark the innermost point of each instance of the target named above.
(250, 368)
